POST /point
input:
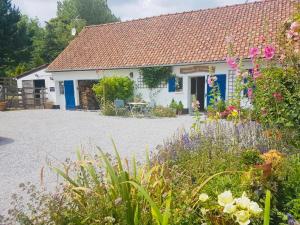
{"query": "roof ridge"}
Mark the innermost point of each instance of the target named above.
(179, 13)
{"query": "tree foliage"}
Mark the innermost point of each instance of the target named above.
(24, 44)
(112, 88)
(153, 76)
(9, 41)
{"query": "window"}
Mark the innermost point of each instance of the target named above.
(141, 84)
(178, 84)
(61, 87)
(175, 84)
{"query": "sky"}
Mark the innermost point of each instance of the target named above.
(124, 9)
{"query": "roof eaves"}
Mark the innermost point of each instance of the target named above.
(139, 66)
(32, 71)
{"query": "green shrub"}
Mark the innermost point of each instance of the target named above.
(112, 88)
(161, 111)
(180, 107)
(108, 109)
(251, 157)
(173, 104)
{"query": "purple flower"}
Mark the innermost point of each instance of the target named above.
(269, 52)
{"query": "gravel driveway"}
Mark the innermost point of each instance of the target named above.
(29, 138)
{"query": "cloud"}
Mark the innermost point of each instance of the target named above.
(42, 9)
(125, 9)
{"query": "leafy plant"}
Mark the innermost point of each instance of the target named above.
(251, 157)
(112, 88)
(267, 208)
(153, 76)
(180, 107)
(160, 111)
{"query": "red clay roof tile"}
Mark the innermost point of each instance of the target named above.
(181, 38)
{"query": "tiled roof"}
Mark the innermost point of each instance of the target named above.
(181, 38)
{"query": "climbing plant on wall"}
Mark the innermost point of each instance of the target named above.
(153, 76)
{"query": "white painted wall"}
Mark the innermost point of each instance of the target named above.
(163, 97)
(42, 75)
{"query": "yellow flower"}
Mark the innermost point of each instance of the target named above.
(273, 156)
(234, 113)
(203, 197)
(242, 217)
(225, 198)
(243, 202)
(229, 208)
(254, 208)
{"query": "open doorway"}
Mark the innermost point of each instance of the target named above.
(198, 90)
(87, 98)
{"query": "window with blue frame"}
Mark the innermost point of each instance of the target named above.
(175, 84)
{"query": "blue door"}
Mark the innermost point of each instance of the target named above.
(221, 82)
(69, 94)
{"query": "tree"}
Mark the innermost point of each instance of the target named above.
(9, 41)
(72, 14)
(92, 11)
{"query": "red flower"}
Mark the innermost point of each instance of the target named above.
(231, 108)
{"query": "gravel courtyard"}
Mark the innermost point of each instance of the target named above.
(28, 139)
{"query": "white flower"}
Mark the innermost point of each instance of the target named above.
(243, 202)
(203, 197)
(229, 208)
(254, 208)
(242, 217)
(203, 211)
(225, 198)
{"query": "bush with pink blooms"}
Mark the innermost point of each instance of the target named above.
(277, 89)
(273, 86)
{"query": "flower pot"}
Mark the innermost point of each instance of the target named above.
(2, 106)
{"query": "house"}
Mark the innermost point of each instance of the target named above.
(37, 80)
(189, 42)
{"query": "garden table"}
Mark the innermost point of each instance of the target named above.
(138, 106)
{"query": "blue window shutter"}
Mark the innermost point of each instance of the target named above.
(172, 84)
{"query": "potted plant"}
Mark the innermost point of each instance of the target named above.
(179, 108)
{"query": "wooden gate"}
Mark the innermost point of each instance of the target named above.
(27, 97)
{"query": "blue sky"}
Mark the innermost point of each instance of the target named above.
(125, 9)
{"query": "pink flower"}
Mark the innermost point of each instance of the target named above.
(250, 92)
(209, 81)
(290, 34)
(295, 26)
(262, 38)
(278, 97)
(256, 72)
(269, 52)
(253, 52)
(232, 63)
(195, 104)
